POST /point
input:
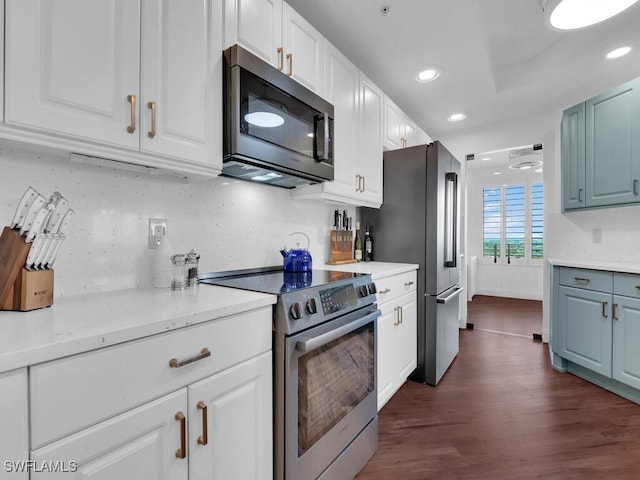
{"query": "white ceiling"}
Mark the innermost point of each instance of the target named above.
(499, 60)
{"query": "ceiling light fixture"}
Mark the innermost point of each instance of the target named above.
(618, 52)
(428, 74)
(573, 14)
(456, 117)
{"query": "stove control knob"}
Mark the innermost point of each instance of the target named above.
(363, 291)
(372, 288)
(295, 312)
(311, 306)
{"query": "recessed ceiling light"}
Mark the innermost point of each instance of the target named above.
(572, 14)
(428, 74)
(456, 117)
(486, 158)
(497, 173)
(618, 52)
(526, 165)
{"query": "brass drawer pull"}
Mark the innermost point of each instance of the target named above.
(408, 284)
(581, 279)
(401, 316)
(204, 438)
(132, 125)
(290, 58)
(386, 290)
(604, 311)
(175, 363)
(152, 107)
(182, 451)
(280, 51)
(397, 321)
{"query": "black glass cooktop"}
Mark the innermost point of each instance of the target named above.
(275, 281)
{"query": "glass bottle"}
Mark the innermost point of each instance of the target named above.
(368, 245)
(358, 244)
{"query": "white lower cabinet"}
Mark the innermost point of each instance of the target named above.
(194, 403)
(397, 333)
(14, 422)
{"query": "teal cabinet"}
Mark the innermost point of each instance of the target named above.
(600, 149)
(595, 327)
(573, 166)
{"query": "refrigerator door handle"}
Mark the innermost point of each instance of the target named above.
(451, 296)
(451, 214)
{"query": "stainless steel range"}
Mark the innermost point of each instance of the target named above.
(324, 369)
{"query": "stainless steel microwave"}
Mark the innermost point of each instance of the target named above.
(276, 131)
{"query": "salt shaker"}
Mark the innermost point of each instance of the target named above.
(178, 272)
(192, 268)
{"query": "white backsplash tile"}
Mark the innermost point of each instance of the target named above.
(231, 223)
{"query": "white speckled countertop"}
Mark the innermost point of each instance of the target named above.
(596, 265)
(376, 269)
(85, 322)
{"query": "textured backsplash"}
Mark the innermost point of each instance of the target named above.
(232, 224)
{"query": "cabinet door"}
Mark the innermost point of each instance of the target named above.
(407, 336)
(393, 125)
(386, 353)
(626, 333)
(613, 146)
(239, 423)
(369, 166)
(14, 418)
(70, 67)
(410, 132)
(573, 158)
(584, 335)
(342, 91)
(181, 108)
(257, 26)
(140, 444)
(303, 49)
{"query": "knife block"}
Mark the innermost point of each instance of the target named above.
(21, 289)
(341, 247)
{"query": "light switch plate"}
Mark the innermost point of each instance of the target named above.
(157, 229)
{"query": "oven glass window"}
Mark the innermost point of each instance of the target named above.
(332, 381)
(272, 115)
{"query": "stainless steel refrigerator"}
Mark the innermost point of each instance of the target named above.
(419, 223)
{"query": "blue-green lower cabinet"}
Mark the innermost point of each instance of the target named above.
(626, 340)
(584, 335)
(596, 327)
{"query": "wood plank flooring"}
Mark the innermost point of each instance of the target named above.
(502, 413)
(507, 315)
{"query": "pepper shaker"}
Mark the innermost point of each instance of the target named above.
(192, 268)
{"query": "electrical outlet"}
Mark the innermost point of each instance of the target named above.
(157, 229)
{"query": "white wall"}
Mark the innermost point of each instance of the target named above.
(232, 224)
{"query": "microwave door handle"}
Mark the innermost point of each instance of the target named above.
(321, 340)
(324, 117)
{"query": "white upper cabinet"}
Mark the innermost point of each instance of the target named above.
(369, 159)
(118, 79)
(273, 31)
(181, 94)
(74, 77)
(399, 130)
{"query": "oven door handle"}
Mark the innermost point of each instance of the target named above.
(323, 339)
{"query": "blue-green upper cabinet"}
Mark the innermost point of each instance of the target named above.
(573, 144)
(600, 145)
(612, 121)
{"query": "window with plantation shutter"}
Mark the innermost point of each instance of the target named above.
(513, 221)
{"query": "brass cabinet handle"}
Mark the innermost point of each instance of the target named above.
(204, 438)
(581, 279)
(604, 312)
(386, 290)
(280, 51)
(358, 183)
(290, 60)
(408, 284)
(132, 125)
(364, 183)
(175, 363)
(401, 320)
(152, 107)
(613, 313)
(397, 321)
(182, 451)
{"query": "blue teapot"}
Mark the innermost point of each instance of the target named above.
(297, 259)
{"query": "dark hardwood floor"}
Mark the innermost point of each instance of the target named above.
(506, 315)
(502, 413)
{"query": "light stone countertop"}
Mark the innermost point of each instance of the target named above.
(596, 265)
(376, 269)
(81, 323)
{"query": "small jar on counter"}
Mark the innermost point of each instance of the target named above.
(192, 268)
(178, 271)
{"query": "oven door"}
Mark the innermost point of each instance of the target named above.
(330, 390)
